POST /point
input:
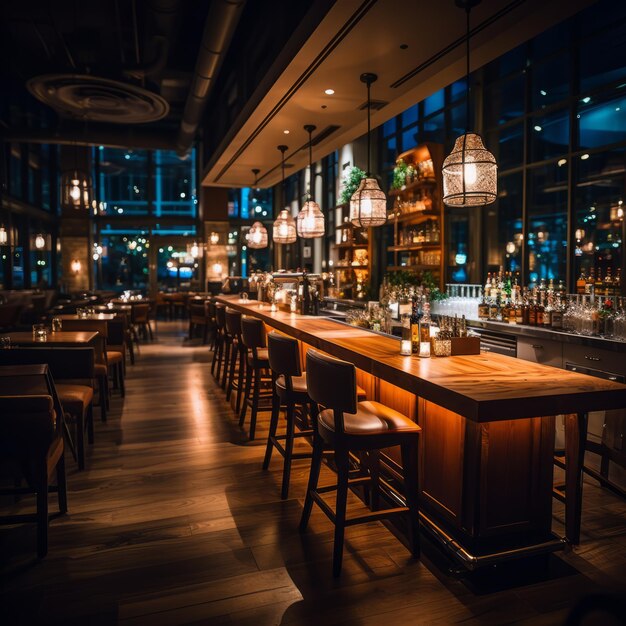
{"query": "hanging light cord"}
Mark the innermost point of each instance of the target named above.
(369, 140)
(310, 162)
(467, 60)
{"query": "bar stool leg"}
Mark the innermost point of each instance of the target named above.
(273, 426)
(42, 514)
(409, 463)
(288, 451)
(216, 348)
(342, 464)
(373, 461)
(255, 402)
(226, 363)
(246, 395)
(62, 484)
(240, 378)
(231, 371)
(314, 475)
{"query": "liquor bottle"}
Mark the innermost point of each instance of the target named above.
(598, 283)
(608, 282)
(463, 327)
(525, 308)
(557, 314)
(505, 310)
(532, 311)
(617, 281)
(415, 327)
(494, 309)
(488, 285)
(519, 314)
(539, 309)
(590, 281)
(483, 307)
(424, 325)
(547, 311)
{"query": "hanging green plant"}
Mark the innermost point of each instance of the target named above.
(400, 172)
(351, 178)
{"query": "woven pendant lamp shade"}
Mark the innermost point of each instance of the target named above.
(470, 173)
(284, 229)
(368, 205)
(310, 223)
(257, 236)
(76, 190)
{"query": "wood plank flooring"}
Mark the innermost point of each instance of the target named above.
(174, 522)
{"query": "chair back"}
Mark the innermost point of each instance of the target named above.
(10, 315)
(99, 326)
(197, 313)
(233, 322)
(210, 307)
(75, 364)
(220, 315)
(284, 355)
(252, 332)
(332, 384)
(116, 332)
(140, 313)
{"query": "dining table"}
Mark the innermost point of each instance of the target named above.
(107, 317)
(61, 338)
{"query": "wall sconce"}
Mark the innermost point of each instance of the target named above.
(40, 242)
(579, 234)
(214, 238)
(76, 266)
(511, 247)
(217, 269)
(4, 236)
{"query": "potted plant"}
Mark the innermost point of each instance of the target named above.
(351, 178)
(399, 174)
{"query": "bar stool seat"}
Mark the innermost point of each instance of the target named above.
(299, 387)
(262, 357)
(371, 418)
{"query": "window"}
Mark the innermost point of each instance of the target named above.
(175, 184)
(549, 135)
(507, 145)
(504, 101)
(601, 122)
(124, 181)
(550, 81)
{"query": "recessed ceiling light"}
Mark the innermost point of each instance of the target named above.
(286, 132)
(538, 128)
(329, 92)
(584, 157)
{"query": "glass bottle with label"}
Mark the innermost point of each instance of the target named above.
(414, 323)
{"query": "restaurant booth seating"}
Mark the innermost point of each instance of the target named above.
(345, 425)
(31, 443)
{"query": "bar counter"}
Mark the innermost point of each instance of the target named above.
(487, 446)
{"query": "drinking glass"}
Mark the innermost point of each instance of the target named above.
(39, 332)
(5, 343)
(57, 324)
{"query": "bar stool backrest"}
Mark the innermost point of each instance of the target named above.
(252, 334)
(233, 322)
(220, 315)
(210, 305)
(284, 355)
(140, 313)
(332, 384)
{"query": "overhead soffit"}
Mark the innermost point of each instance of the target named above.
(365, 36)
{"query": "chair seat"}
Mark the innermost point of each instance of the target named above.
(113, 357)
(262, 357)
(74, 398)
(299, 386)
(371, 418)
(100, 369)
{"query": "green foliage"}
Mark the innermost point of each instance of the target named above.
(350, 183)
(400, 172)
(401, 278)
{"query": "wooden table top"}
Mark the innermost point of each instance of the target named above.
(485, 387)
(98, 316)
(60, 338)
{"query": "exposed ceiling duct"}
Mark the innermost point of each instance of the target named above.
(219, 28)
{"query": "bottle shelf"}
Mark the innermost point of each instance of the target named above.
(424, 183)
(417, 268)
(346, 245)
(414, 246)
(416, 217)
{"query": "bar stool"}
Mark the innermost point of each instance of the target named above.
(211, 323)
(343, 425)
(237, 353)
(257, 362)
(218, 353)
(290, 391)
(229, 338)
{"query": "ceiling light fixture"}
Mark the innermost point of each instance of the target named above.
(310, 221)
(368, 204)
(284, 229)
(257, 235)
(76, 189)
(40, 242)
(329, 92)
(470, 171)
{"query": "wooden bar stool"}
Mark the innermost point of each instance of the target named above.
(290, 391)
(218, 352)
(343, 425)
(237, 354)
(230, 332)
(258, 381)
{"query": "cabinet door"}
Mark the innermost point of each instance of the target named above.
(544, 351)
(595, 358)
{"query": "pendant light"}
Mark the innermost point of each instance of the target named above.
(310, 221)
(470, 172)
(257, 235)
(284, 229)
(40, 241)
(76, 189)
(368, 205)
(4, 236)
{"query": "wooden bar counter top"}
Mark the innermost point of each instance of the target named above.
(488, 429)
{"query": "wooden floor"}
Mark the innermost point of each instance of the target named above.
(174, 522)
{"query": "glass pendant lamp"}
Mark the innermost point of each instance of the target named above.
(76, 188)
(310, 220)
(368, 204)
(257, 235)
(470, 171)
(284, 229)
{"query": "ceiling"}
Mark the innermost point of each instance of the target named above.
(167, 58)
(415, 47)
